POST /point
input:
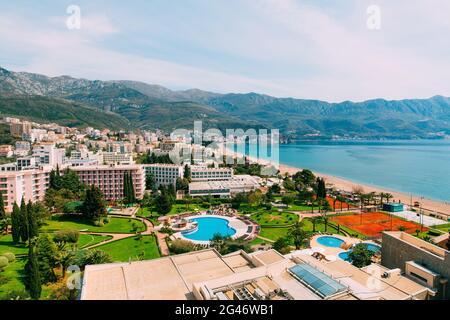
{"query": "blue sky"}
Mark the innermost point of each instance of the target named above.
(318, 49)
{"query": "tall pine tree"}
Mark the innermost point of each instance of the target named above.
(32, 273)
(33, 229)
(125, 188)
(23, 221)
(2, 207)
(131, 189)
(15, 223)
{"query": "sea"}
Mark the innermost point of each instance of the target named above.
(417, 167)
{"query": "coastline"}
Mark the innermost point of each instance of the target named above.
(348, 185)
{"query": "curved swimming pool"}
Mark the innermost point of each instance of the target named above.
(329, 241)
(372, 247)
(207, 227)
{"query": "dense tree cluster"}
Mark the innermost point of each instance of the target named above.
(151, 158)
(93, 206)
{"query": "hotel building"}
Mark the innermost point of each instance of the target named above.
(164, 174)
(260, 275)
(224, 188)
(210, 174)
(28, 184)
(110, 179)
(419, 260)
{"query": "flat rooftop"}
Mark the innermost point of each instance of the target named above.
(419, 243)
(168, 278)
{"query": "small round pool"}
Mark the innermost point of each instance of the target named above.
(207, 227)
(329, 241)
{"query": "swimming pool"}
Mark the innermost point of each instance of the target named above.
(329, 241)
(344, 255)
(372, 247)
(207, 227)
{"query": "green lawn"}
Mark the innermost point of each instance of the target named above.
(116, 225)
(273, 233)
(130, 248)
(442, 227)
(182, 208)
(6, 245)
(14, 274)
(89, 240)
(274, 218)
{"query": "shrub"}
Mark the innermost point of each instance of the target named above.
(181, 246)
(99, 224)
(16, 295)
(166, 230)
(106, 220)
(3, 280)
(3, 262)
(66, 236)
(10, 256)
(89, 257)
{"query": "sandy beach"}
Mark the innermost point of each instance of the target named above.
(347, 185)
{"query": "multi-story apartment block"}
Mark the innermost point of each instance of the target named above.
(210, 174)
(17, 129)
(164, 174)
(117, 158)
(110, 179)
(28, 184)
(47, 153)
(22, 148)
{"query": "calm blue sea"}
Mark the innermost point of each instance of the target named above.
(420, 167)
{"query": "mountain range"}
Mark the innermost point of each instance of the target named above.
(131, 104)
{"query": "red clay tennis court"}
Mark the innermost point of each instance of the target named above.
(374, 223)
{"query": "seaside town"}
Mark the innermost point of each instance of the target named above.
(89, 214)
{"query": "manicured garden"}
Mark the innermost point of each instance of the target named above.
(115, 225)
(134, 248)
(274, 218)
(87, 240)
(7, 245)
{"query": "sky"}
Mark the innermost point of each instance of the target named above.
(311, 49)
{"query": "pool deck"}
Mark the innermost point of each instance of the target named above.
(236, 224)
(329, 251)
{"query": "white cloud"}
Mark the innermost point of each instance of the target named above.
(296, 49)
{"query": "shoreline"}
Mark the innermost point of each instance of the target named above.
(348, 185)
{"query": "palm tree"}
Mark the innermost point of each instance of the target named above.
(388, 196)
(314, 221)
(298, 235)
(325, 218)
(372, 196)
(382, 196)
(341, 200)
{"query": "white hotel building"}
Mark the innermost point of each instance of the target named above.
(110, 179)
(164, 174)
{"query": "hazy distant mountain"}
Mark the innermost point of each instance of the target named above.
(154, 106)
(162, 93)
(68, 113)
